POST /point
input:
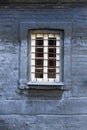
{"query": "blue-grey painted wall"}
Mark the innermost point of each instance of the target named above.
(51, 109)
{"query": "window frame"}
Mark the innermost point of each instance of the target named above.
(31, 83)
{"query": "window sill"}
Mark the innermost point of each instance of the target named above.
(45, 85)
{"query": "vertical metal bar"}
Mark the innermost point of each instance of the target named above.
(45, 56)
(58, 58)
(33, 57)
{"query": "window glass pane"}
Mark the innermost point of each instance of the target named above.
(51, 52)
(39, 41)
(51, 63)
(52, 42)
(39, 52)
(51, 73)
(38, 73)
(39, 62)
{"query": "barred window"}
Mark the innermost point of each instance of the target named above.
(45, 57)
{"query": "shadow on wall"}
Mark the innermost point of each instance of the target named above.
(4, 1)
(29, 1)
(42, 94)
(4, 125)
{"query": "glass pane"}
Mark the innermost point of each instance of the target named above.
(38, 73)
(39, 41)
(39, 52)
(51, 63)
(52, 52)
(52, 73)
(52, 42)
(39, 62)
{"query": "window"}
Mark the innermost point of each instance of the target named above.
(46, 61)
(29, 31)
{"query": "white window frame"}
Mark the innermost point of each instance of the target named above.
(59, 49)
